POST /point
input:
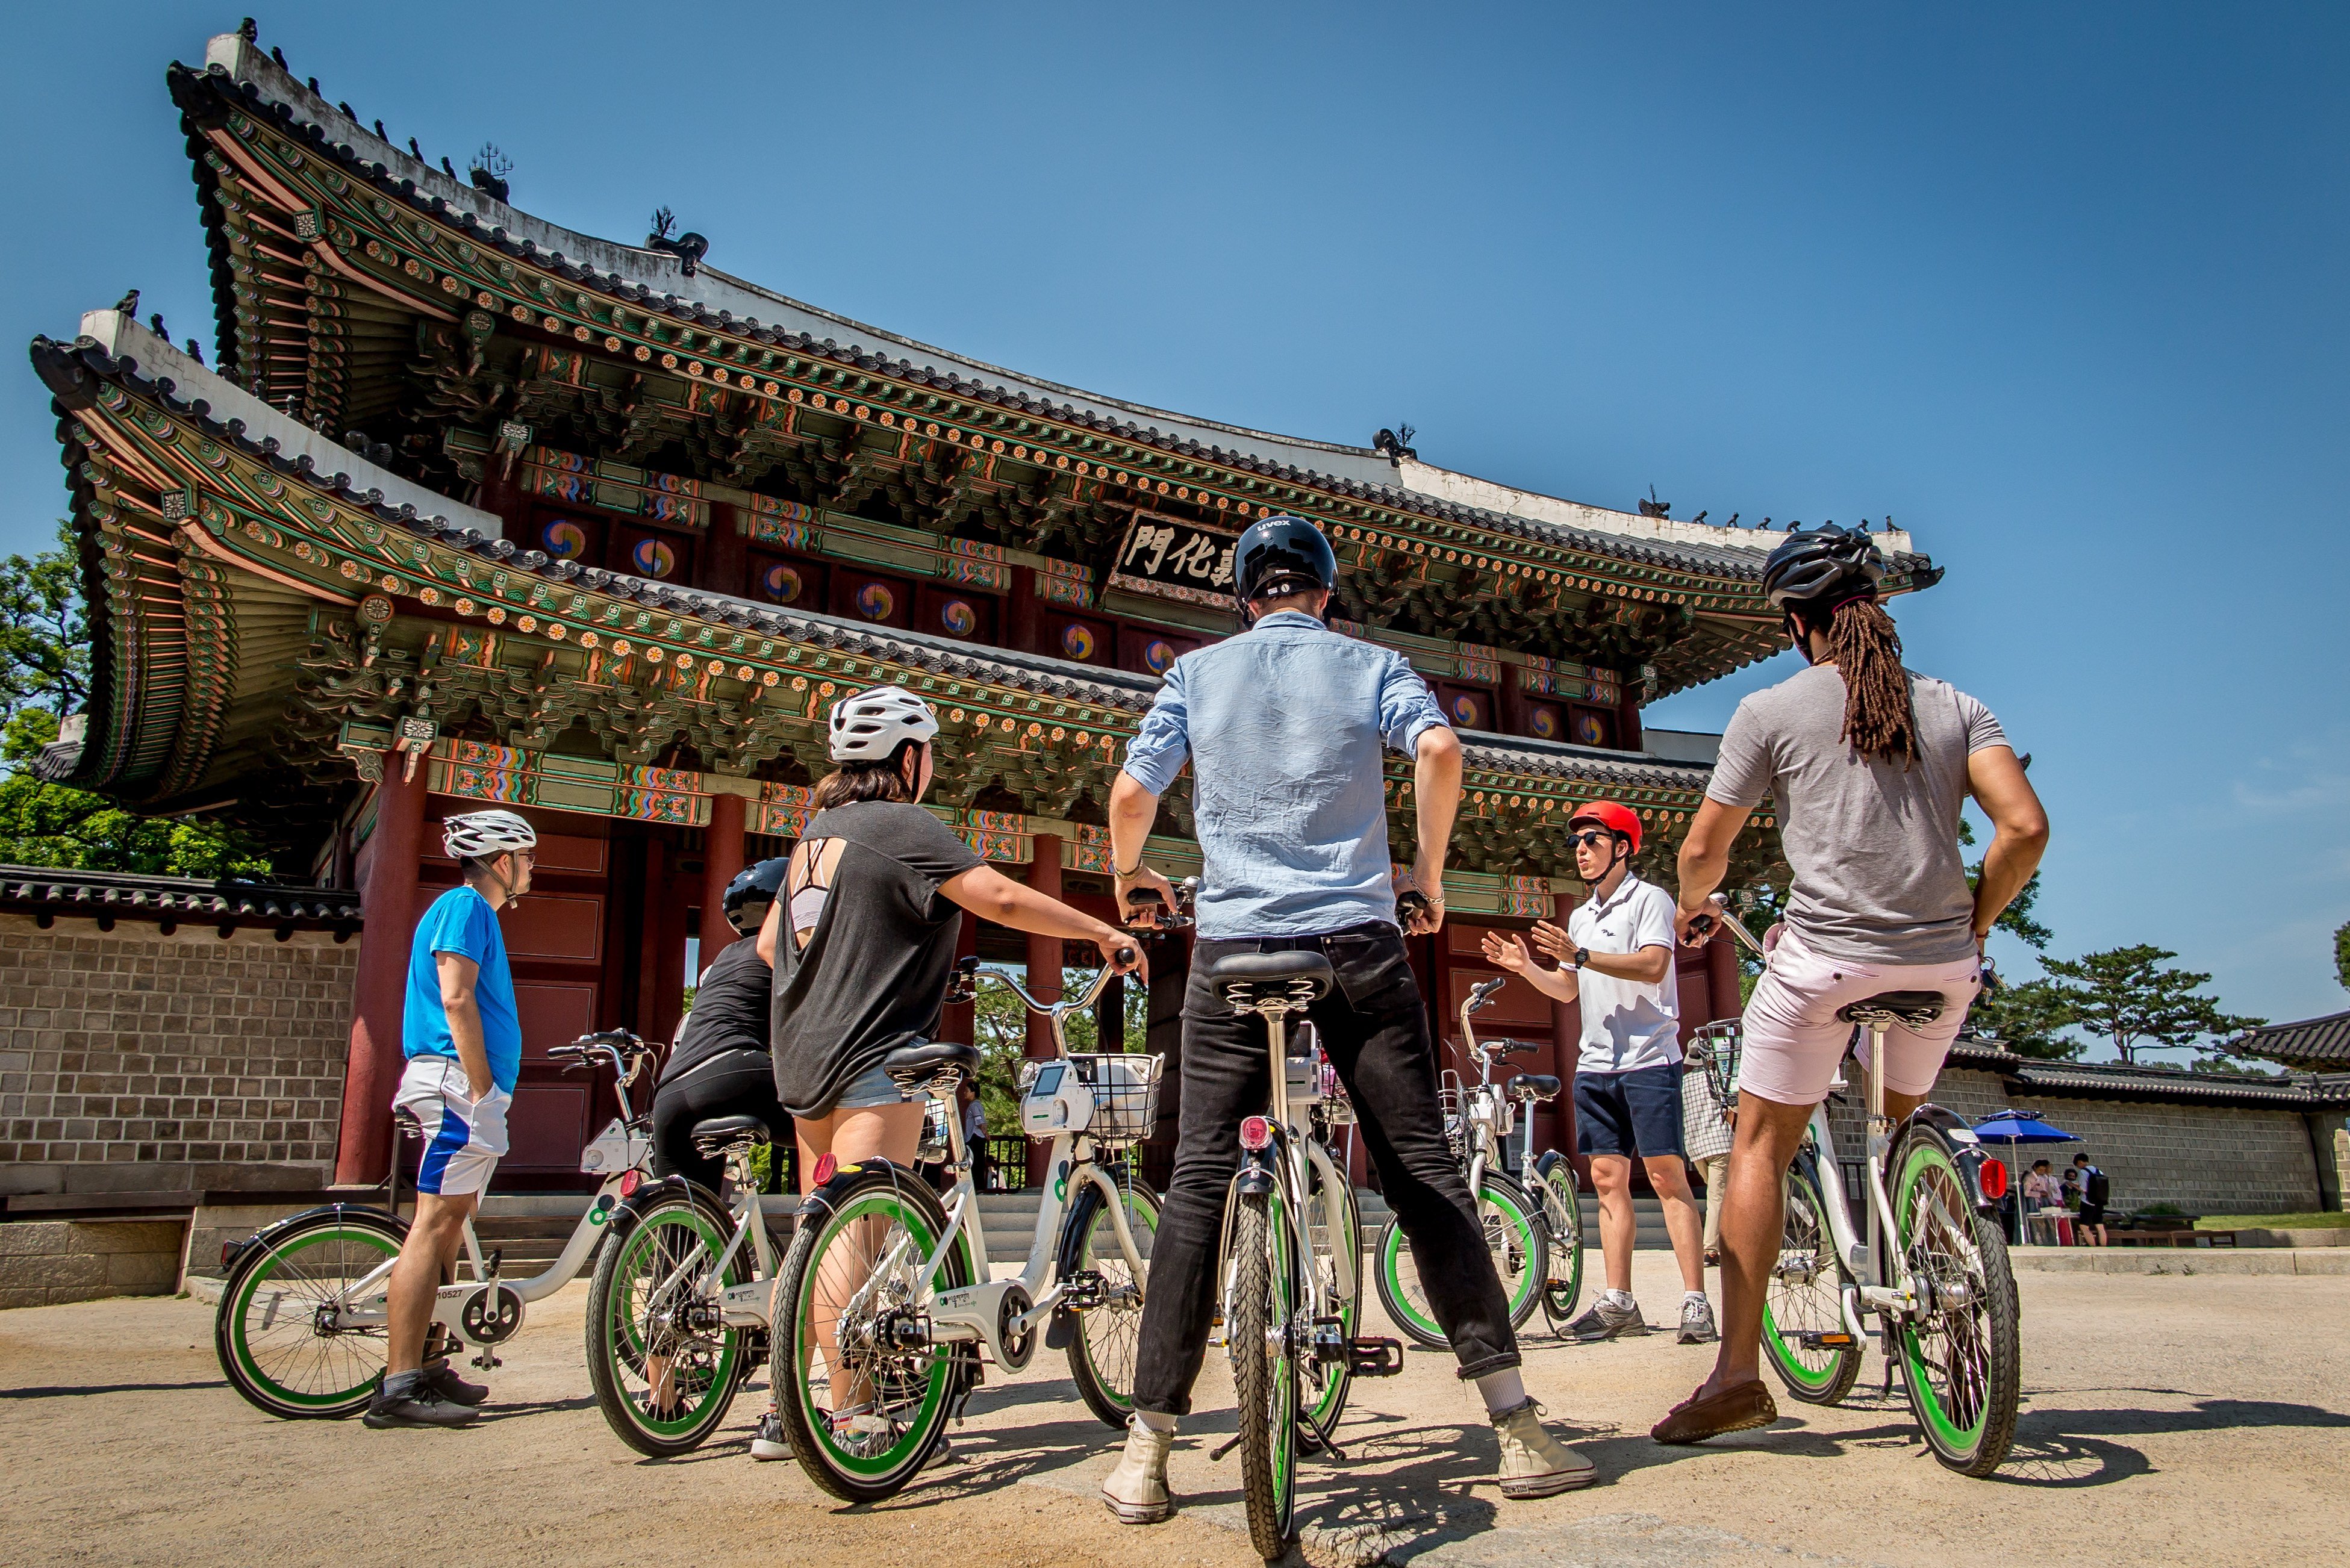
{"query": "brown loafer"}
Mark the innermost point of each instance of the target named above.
(1701, 1416)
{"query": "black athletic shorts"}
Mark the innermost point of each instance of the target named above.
(1634, 1113)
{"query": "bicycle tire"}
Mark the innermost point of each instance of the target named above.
(343, 1245)
(1961, 1362)
(1264, 1373)
(1563, 1280)
(1324, 1384)
(1805, 1296)
(921, 1382)
(705, 1366)
(1106, 1342)
(1521, 1257)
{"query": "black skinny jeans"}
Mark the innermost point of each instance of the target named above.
(739, 1082)
(1375, 1031)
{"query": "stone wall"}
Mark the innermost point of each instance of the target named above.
(2206, 1159)
(47, 1263)
(133, 1061)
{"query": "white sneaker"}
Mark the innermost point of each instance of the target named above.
(1534, 1463)
(1136, 1489)
(768, 1441)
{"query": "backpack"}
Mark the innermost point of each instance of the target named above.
(2096, 1189)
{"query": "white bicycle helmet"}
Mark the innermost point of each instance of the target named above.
(868, 727)
(479, 835)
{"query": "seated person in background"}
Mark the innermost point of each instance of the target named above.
(2039, 1188)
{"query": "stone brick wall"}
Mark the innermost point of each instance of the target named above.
(2206, 1159)
(132, 1061)
(47, 1263)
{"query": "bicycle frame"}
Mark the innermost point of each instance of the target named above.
(992, 1310)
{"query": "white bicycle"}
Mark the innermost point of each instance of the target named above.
(886, 1300)
(302, 1325)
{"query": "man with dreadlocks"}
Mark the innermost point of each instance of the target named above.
(1869, 763)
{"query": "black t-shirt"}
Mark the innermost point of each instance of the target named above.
(730, 1009)
(873, 974)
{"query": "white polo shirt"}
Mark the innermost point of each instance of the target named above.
(1626, 1026)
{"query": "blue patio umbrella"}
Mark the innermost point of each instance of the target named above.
(2013, 1128)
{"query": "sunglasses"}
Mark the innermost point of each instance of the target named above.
(1593, 837)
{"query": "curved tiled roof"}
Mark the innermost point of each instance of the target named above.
(654, 282)
(2312, 1043)
(126, 894)
(2116, 1081)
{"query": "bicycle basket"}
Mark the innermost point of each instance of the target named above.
(1126, 1092)
(1336, 1108)
(1721, 1041)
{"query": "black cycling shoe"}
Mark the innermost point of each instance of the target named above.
(441, 1377)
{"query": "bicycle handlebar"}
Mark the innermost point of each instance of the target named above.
(1147, 901)
(1721, 916)
(1123, 963)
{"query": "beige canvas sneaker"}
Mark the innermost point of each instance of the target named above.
(1534, 1463)
(1136, 1489)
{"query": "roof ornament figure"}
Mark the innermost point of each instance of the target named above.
(128, 305)
(689, 248)
(1652, 507)
(155, 322)
(1396, 444)
(489, 172)
(248, 30)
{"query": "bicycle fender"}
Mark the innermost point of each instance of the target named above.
(232, 1252)
(1550, 1159)
(1966, 1148)
(827, 1198)
(626, 1213)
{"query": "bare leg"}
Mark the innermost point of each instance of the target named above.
(1753, 1215)
(1611, 1177)
(894, 1133)
(1669, 1177)
(428, 1252)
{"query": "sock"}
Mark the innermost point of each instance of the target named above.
(400, 1386)
(1154, 1421)
(1621, 1299)
(1502, 1390)
(1689, 1296)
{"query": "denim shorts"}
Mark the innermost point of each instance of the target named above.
(1639, 1111)
(869, 1088)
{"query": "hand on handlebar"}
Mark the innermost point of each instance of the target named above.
(1420, 900)
(1143, 914)
(1121, 952)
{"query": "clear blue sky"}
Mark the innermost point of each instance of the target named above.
(2060, 288)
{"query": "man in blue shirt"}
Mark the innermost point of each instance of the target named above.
(1285, 726)
(464, 1043)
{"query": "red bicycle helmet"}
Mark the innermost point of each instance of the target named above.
(1614, 818)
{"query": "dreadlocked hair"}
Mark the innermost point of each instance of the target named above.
(1878, 717)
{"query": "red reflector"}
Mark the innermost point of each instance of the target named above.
(1994, 1178)
(629, 1183)
(1255, 1133)
(826, 1164)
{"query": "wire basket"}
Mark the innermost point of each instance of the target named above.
(1126, 1092)
(1721, 1043)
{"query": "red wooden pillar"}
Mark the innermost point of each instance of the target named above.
(961, 1022)
(1044, 975)
(363, 1147)
(502, 494)
(1020, 611)
(1627, 714)
(721, 859)
(724, 557)
(1722, 975)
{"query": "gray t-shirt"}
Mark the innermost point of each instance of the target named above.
(1874, 846)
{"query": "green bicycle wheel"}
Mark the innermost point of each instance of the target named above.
(1805, 1299)
(663, 1363)
(1512, 1235)
(1263, 1353)
(862, 1407)
(275, 1330)
(1105, 1340)
(1332, 1223)
(1960, 1355)
(1563, 1212)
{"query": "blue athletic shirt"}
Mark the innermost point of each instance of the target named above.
(461, 921)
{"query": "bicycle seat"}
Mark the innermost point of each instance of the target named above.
(406, 1121)
(1252, 980)
(1532, 1087)
(1916, 1009)
(720, 1133)
(928, 1060)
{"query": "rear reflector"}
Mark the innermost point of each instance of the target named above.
(1256, 1133)
(629, 1183)
(826, 1164)
(1993, 1179)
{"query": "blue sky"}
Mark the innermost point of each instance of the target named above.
(2059, 288)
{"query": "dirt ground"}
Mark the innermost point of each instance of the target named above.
(2167, 1419)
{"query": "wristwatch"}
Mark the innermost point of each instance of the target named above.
(1582, 957)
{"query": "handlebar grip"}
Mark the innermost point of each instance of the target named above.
(1123, 957)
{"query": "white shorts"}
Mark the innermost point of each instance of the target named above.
(1794, 1042)
(464, 1137)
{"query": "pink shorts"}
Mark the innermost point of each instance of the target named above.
(1794, 1042)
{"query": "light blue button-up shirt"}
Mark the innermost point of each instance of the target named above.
(1284, 725)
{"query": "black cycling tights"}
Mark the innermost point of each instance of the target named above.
(732, 1084)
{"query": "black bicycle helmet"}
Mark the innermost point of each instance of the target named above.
(1824, 564)
(1282, 555)
(754, 888)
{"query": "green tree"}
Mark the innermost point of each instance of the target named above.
(2341, 954)
(45, 674)
(2027, 1018)
(1002, 1029)
(2127, 996)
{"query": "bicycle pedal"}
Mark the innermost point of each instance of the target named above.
(1371, 1356)
(1827, 1341)
(486, 1360)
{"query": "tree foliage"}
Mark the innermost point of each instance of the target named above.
(2127, 996)
(43, 675)
(2028, 1019)
(2341, 954)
